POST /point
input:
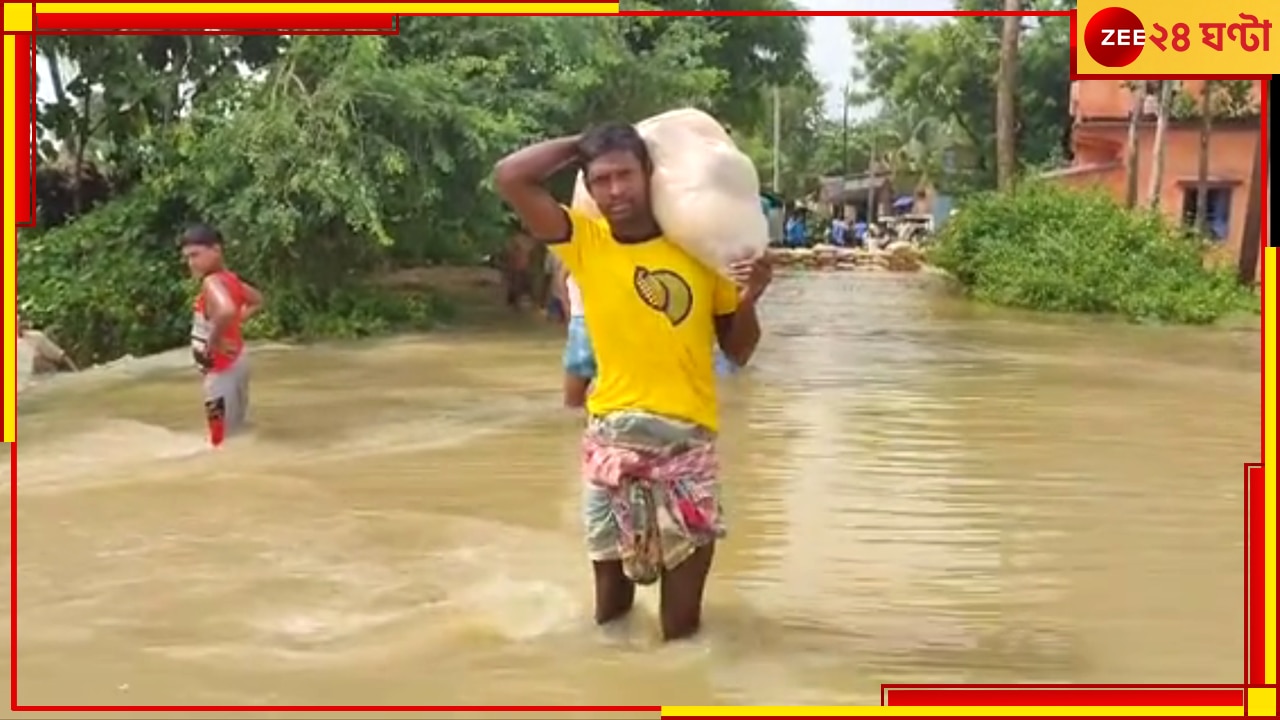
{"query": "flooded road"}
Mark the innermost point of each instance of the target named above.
(919, 491)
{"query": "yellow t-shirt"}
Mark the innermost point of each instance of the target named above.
(650, 311)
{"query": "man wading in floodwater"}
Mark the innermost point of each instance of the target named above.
(224, 303)
(651, 496)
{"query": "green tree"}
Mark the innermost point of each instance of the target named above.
(755, 53)
(117, 92)
(950, 69)
(911, 143)
(323, 159)
(809, 145)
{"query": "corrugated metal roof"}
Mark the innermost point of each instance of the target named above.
(835, 188)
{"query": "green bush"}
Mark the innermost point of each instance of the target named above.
(112, 283)
(1055, 249)
(109, 283)
(346, 312)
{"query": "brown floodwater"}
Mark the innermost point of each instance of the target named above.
(919, 490)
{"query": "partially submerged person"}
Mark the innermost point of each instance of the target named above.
(877, 236)
(46, 356)
(796, 231)
(860, 233)
(579, 358)
(541, 274)
(513, 263)
(651, 497)
(558, 292)
(724, 366)
(223, 304)
(839, 231)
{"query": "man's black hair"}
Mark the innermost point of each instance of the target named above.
(613, 137)
(201, 235)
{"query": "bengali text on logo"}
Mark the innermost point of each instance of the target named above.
(1116, 37)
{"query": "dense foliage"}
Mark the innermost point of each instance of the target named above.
(944, 75)
(327, 159)
(1050, 248)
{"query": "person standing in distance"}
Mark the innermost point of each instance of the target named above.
(48, 356)
(651, 488)
(579, 358)
(222, 306)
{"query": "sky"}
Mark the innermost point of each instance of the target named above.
(831, 52)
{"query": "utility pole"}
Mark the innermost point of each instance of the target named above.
(1006, 99)
(873, 186)
(1163, 90)
(777, 140)
(1252, 240)
(844, 138)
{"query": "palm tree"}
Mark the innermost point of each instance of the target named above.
(1139, 92)
(1164, 90)
(1202, 176)
(80, 152)
(1251, 241)
(913, 142)
(903, 143)
(1006, 111)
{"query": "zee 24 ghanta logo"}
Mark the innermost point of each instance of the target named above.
(1115, 37)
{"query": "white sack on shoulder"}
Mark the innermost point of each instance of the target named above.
(705, 192)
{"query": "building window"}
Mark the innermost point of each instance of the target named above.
(1219, 215)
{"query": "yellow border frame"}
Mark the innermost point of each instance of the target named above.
(10, 238)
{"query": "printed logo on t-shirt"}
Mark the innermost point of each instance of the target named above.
(664, 291)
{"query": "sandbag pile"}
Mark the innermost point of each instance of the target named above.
(705, 192)
(897, 257)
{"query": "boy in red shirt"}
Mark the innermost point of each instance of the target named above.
(223, 304)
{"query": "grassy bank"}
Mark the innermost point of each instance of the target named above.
(99, 324)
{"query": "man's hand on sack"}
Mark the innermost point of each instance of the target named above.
(752, 277)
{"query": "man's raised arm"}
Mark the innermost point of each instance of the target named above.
(520, 179)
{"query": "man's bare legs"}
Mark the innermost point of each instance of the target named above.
(615, 593)
(681, 594)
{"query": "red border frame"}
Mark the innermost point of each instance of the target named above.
(897, 695)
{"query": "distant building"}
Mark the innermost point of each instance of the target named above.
(907, 194)
(1100, 131)
(864, 196)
